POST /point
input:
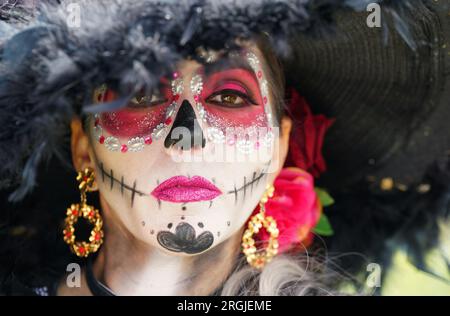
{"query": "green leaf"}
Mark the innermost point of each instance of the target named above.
(323, 226)
(324, 197)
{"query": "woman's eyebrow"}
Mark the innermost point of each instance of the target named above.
(227, 64)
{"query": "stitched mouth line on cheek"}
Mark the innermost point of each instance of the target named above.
(249, 183)
(111, 180)
(109, 176)
(115, 180)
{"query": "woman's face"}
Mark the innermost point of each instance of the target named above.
(183, 167)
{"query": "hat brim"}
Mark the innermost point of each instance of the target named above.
(391, 102)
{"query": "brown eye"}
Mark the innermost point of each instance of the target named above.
(231, 98)
(228, 99)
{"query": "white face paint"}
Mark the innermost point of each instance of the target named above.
(186, 197)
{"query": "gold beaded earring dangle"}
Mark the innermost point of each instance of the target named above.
(85, 179)
(258, 258)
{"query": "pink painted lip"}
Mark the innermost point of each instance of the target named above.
(182, 189)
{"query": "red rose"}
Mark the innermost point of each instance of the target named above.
(294, 206)
(306, 141)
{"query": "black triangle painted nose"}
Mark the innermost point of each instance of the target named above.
(185, 132)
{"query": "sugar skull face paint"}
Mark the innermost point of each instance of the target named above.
(230, 96)
(148, 185)
(235, 101)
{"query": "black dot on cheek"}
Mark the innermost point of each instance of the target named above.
(183, 208)
(182, 218)
(169, 226)
(200, 225)
(152, 232)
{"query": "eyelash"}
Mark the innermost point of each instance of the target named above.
(145, 104)
(146, 101)
(247, 99)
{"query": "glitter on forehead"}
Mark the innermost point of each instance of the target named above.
(196, 84)
(264, 87)
(253, 61)
(177, 86)
(208, 56)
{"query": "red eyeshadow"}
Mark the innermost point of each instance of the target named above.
(134, 122)
(232, 86)
(240, 80)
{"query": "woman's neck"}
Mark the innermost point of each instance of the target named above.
(128, 266)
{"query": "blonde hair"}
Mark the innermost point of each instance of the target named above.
(285, 275)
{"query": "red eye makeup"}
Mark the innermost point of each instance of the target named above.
(145, 118)
(232, 98)
(228, 94)
(235, 99)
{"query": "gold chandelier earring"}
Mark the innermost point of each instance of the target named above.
(258, 258)
(85, 179)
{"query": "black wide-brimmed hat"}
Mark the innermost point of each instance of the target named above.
(389, 93)
(387, 87)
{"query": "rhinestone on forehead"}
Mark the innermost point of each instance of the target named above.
(177, 86)
(264, 87)
(253, 61)
(208, 56)
(196, 84)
